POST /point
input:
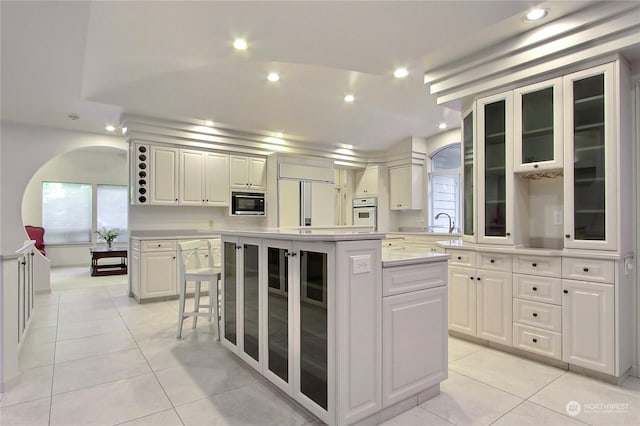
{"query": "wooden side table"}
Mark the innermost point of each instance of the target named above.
(98, 253)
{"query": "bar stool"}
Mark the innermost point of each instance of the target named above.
(192, 269)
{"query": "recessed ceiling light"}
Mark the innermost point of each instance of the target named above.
(273, 77)
(279, 134)
(240, 44)
(442, 126)
(208, 123)
(535, 14)
(400, 73)
(109, 128)
(349, 98)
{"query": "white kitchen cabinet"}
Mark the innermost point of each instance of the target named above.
(591, 150)
(191, 178)
(367, 182)
(462, 300)
(204, 178)
(216, 179)
(469, 177)
(480, 299)
(158, 274)
(242, 300)
(163, 175)
(538, 127)
(494, 306)
(588, 328)
(405, 187)
(495, 169)
(247, 172)
(412, 362)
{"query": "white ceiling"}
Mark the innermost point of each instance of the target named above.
(174, 59)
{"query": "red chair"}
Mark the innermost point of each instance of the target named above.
(36, 233)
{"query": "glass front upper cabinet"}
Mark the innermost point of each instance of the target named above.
(495, 217)
(589, 196)
(468, 176)
(538, 127)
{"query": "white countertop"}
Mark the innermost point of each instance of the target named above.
(530, 251)
(175, 234)
(393, 257)
(306, 234)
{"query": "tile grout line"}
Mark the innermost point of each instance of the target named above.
(53, 366)
(549, 408)
(149, 365)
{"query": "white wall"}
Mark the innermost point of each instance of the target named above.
(24, 150)
(186, 217)
(87, 165)
(420, 218)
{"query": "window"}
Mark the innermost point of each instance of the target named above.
(112, 209)
(66, 212)
(444, 188)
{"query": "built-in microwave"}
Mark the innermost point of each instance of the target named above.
(247, 203)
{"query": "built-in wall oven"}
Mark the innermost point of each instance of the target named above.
(247, 203)
(364, 212)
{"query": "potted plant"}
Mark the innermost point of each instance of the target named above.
(109, 235)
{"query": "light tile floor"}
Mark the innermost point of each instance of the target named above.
(92, 356)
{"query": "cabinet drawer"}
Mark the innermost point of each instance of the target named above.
(538, 289)
(588, 270)
(494, 262)
(538, 265)
(462, 258)
(540, 315)
(158, 245)
(404, 279)
(536, 340)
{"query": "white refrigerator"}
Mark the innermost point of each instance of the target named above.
(306, 203)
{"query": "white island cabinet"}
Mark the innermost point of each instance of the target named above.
(309, 310)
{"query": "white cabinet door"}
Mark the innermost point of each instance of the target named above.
(216, 179)
(415, 356)
(323, 198)
(495, 312)
(257, 173)
(495, 169)
(163, 175)
(191, 178)
(538, 130)
(247, 172)
(469, 177)
(590, 156)
(367, 182)
(239, 171)
(134, 274)
(158, 275)
(588, 325)
(405, 187)
(462, 300)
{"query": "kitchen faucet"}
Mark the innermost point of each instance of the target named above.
(452, 223)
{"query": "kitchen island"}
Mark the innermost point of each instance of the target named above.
(350, 334)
